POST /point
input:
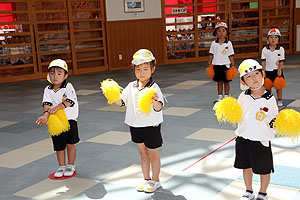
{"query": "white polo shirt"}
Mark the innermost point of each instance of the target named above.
(272, 58)
(134, 117)
(258, 115)
(66, 92)
(221, 52)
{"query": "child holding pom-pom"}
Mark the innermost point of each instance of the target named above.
(254, 132)
(272, 62)
(61, 113)
(221, 60)
(144, 101)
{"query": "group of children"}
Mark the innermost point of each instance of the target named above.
(254, 133)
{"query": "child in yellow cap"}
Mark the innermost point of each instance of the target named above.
(145, 129)
(254, 133)
(61, 95)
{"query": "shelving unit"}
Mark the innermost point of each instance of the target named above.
(188, 35)
(88, 35)
(43, 30)
(17, 44)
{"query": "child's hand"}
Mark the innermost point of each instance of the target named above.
(42, 120)
(279, 73)
(53, 109)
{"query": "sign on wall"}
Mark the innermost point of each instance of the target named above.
(179, 10)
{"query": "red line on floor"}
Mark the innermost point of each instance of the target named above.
(217, 149)
(209, 154)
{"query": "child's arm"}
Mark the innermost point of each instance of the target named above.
(42, 120)
(157, 105)
(62, 105)
(263, 64)
(280, 68)
(210, 57)
(231, 61)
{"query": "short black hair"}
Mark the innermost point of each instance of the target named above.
(215, 31)
(57, 67)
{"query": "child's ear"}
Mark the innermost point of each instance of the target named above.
(153, 69)
(66, 76)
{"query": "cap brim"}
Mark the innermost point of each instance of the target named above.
(243, 87)
(48, 79)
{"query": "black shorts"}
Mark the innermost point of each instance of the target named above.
(68, 137)
(150, 136)
(220, 73)
(253, 154)
(273, 74)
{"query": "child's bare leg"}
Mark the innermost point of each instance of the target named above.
(220, 88)
(248, 175)
(155, 163)
(264, 182)
(227, 88)
(279, 94)
(145, 161)
(61, 158)
(71, 149)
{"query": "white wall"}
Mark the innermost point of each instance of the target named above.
(115, 10)
(297, 3)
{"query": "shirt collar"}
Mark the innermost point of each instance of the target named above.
(226, 40)
(149, 84)
(63, 85)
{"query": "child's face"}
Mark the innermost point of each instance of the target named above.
(143, 72)
(57, 75)
(253, 79)
(221, 32)
(273, 39)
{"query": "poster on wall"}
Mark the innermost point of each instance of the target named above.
(134, 6)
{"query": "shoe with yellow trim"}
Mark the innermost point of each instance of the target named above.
(151, 186)
(141, 186)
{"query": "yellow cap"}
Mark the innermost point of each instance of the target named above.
(246, 67)
(142, 56)
(58, 63)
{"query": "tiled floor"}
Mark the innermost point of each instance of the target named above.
(197, 155)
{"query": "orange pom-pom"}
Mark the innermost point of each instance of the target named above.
(232, 73)
(279, 83)
(210, 71)
(268, 84)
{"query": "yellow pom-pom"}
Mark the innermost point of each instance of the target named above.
(111, 90)
(58, 123)
(228, 110)
(145, 99)
(287, 123)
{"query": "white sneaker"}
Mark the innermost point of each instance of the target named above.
(279, 103)
(262, 197)
(151, 186)
(70, 169)
(60, 171)
(248, 196)
(141, 186)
